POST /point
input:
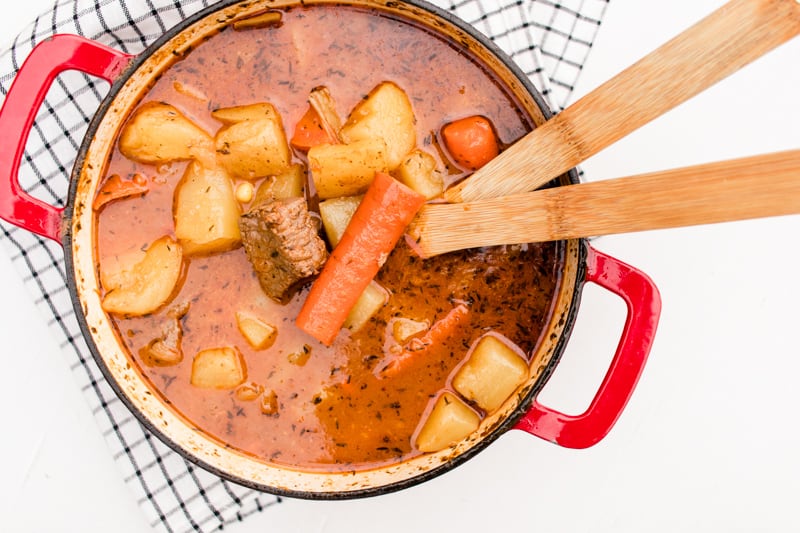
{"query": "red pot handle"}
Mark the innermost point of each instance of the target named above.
(644, 308)
(22, 103)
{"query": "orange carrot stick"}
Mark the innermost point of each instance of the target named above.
(417, 348)
(471, 141)
(378, 223)
(310, 132)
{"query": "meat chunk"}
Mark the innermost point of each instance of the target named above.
(282, 242)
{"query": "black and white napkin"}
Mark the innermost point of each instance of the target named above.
(549, 40)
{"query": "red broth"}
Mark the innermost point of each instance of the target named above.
(333, 411)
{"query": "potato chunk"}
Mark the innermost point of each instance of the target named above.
(346, 169)
(336, 214)
(158, 133)
(404, 329)
(418, 171)
(449, 421)
(491, 374)
(206, 211)
(259, 334)
(240, 113)
(386, 114)
(218, 368)
(253, 147)
(288, 184)
(370, 302)
(138, 287)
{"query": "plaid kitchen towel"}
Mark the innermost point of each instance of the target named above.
(548, 40)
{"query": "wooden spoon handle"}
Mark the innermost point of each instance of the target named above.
(728, 39)
(754, 187)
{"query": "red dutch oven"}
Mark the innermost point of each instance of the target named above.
(74, 228)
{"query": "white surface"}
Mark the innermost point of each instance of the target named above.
(709, 441)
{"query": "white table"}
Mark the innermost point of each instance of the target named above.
(709, 441)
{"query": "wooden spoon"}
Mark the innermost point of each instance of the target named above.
(753, 187)
(728, 39)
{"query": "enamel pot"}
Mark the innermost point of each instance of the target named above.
(74, 228)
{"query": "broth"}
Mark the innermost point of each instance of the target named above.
(335, 410)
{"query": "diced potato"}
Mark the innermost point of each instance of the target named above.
(491, 374)
(253, 148)
(206, 211)
(449, 421)
(336, 214)
(141, 285)
(218, 368)
(247, 392)
(240, 113)
(158, 133)
(370, 302)
(404, 329)
(346, 169)
(259, 334)
(288, 184)
(386, 114)
(418, 171)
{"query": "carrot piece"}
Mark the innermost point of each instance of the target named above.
(471, 141)
(416, 348)
(115, 188)
(378, 223)
(310, 131)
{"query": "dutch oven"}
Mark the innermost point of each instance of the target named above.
(74, 228)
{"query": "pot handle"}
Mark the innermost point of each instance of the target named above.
(47, 59)
(644, 308)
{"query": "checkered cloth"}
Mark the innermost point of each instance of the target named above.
(548, 40)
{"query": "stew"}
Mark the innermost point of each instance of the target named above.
(431, 346)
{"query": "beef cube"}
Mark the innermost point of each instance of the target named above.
(282, 242)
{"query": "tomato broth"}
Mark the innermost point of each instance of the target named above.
(334, 407)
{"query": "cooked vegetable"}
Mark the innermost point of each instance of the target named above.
(240, 113)
(287, 184)
(301, 356)
(116, 188)
(158, 133)
(247, 392)
(244, 192)
(491, 374)
(370, 302)
(417, 347)
(336, 214)
(471, 141)
(403, 329)
(269, 403)
(206, 211)
(449, 421)
(261, 20)
(346, 169)
(218, 368)
(418, 171)
(259, 334)
(254, 146)
(309, 132)
(376, 226)
(140, 285)
(386, 114)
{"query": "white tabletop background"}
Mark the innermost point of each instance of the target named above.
(709, 441)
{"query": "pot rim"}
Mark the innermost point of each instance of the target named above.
(523, 405)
